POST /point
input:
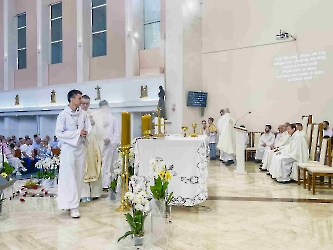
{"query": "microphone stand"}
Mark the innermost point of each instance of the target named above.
(242, 117)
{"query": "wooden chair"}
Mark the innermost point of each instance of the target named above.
(324, 159)
(254, 140)
(322, 172)
(55, 151)
(18, 153)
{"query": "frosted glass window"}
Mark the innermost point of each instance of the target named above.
(56, 32)
(152, 21)
(21, 41)
(98, 27)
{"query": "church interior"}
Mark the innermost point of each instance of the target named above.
(166, 124)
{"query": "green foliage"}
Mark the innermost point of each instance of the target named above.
(159, 190)
(113, 185)
(136, 223)
(46, 174)
(8, 169)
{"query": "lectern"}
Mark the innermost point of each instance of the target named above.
(240, 150)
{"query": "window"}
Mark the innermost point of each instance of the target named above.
(22, 41)
(56, 32)
(152, 21)
(98, 27)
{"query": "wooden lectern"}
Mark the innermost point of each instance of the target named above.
(240, 150)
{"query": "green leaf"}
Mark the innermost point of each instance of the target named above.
(158, 183)
(114, 185)
(130, 221)
(169, 198)
(138, 221)
(125, 235)
(164, 187)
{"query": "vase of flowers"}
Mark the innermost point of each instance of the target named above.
(161, 174)
(138, 197)
(47, 171)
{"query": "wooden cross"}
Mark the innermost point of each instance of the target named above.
(98, 93)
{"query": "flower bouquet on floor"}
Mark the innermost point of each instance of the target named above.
(161, 174)
(48, 171)
(138, 197)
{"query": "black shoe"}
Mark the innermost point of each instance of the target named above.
(264, 170)
(213, 159)
(258, 161)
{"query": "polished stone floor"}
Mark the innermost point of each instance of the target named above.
(243, 212)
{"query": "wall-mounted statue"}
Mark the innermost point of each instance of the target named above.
(161, 102)
(17, 100)
(98, 93)
(53, 97)
(144, 92)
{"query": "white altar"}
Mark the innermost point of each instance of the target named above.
(189, 159)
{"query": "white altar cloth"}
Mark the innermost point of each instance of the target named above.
(189, 159)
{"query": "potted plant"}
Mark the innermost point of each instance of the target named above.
(138, 197)
(47, 171)
(161, 175)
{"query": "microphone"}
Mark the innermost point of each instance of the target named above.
(243, 117)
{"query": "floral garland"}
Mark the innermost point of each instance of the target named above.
(47, 167)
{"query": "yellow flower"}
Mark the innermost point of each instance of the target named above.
(168, 176)
(161, 174)
(4, 175)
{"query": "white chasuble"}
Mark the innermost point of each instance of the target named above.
(72, 158)
(93, 167)
(227, 142)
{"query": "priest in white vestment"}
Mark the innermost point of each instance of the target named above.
(72, 128)
(227, 144)
(111, 139)
(284, 163)
(282, 140)
(220, 127)
(266, 141)
(299, 127)
(92, 188)
(327, 132)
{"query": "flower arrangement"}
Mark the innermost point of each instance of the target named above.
(139, 199)
(47, 167)
(161, 175)
(5, 168)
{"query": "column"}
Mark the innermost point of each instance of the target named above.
(10, 38)
(43, 42)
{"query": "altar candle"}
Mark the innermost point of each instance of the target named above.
(125, 129)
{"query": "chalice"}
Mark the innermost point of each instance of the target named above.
(194, 126)
(184, 128)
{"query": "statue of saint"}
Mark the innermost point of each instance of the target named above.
(17, 100)
(161, 102)
(53, 96)
(144, 92)
(98, 93)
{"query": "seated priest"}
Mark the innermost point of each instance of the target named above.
(10, 154)
(282, 140)
(284, 163)
(28, 154)
(327, 132)
(299, 127)
(266, 141)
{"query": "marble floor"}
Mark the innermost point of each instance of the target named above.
(241, 213)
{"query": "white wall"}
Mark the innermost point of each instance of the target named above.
(243, 77)
(47, 125)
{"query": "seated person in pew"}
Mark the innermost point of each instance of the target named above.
(266, 141)
(54, 143)
(299, 127)
(327, 132)
(44, 151)
(282, 139)
(28, 154)
(284, 163)
(10, 154)
(37, 143)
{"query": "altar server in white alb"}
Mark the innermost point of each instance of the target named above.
(220, 126)
(72, 128)
(92, 188)
(281, 141)
(227, 142)
(284, 163)
(266, 141)
(111, 139)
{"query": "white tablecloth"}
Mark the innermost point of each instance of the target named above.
(189, 158)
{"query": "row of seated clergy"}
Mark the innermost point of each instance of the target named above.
(283, 166)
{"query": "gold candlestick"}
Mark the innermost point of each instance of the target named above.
(146, 126)
(184, 128)
(194, 126)
(124, 204)
(125, 129)
(159, 132)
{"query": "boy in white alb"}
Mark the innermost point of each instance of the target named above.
(72, 128)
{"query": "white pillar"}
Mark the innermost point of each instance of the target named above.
(128, 38)
(10, 43)
(43, 42)
(83, 30)
(174, 64)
